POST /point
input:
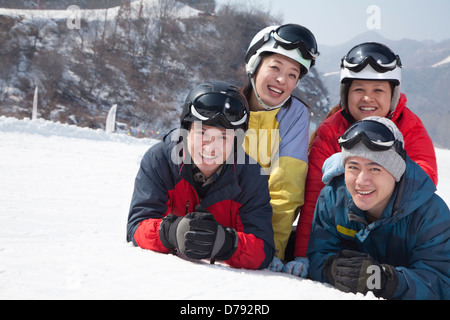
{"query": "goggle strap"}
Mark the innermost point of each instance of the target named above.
(252, 51)
(265, 106)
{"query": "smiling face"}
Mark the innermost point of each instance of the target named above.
(275, 80)
(209, 147)
(369, 98)
(370, 185)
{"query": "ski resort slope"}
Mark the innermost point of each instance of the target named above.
(64, 199)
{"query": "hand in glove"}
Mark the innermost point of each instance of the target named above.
(168, 231)
(207, 239)
(332, 167)
(298, 267)
(276, 265)
(349, 272)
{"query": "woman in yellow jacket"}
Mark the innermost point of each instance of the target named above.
(277, 58)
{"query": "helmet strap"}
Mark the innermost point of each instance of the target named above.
(265, 106)
(395, 98)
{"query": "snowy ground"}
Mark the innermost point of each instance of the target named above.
(64, 197)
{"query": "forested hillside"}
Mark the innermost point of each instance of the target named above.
(143, 56)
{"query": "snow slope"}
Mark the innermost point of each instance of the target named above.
(441, 63)
(64, 198)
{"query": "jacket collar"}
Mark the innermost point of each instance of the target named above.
(399, 110)
(225, 184)
(225, 187)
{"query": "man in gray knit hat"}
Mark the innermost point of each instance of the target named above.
(381, 227)
(389, 159)
(364, 150)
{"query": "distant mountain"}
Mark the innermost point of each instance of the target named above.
(59, 4)
(426, 78)
(142, 56)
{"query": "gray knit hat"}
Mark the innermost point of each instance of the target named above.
(388, 159)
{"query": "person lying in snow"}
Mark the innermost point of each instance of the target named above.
(198, 194)
(381, 227)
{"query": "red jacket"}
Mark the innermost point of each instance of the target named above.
(418, 145)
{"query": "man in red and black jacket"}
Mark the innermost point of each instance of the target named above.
(197, 193)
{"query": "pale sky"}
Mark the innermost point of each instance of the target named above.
(338, 21)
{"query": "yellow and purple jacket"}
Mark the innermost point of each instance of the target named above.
(278, 141)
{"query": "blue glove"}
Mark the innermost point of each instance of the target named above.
(332, 167)
(276, 265)
(298, 267)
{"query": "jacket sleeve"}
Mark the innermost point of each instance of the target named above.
(324, 241)
(427, 277)
(418, 143)
(256, 245)
(324, 145)
(148, 204)
(288, 175)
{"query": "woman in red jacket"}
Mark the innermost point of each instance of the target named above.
(370, 86)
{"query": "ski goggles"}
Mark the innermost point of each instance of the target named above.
(293, 36)
(213, 108)
(374, 135)
(377, 55)
(290, 37)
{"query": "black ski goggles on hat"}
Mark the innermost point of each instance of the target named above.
(377, 55)
(220, 108)
(374, 135)
(290, 37)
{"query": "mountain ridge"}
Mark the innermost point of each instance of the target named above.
(143, 58)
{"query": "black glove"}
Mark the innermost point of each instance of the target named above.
(207, 239)
(349, 272)
(168, 231)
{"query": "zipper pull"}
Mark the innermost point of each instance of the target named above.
(187, 208)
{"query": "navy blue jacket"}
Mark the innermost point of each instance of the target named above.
(238, 199)
(412, 234)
